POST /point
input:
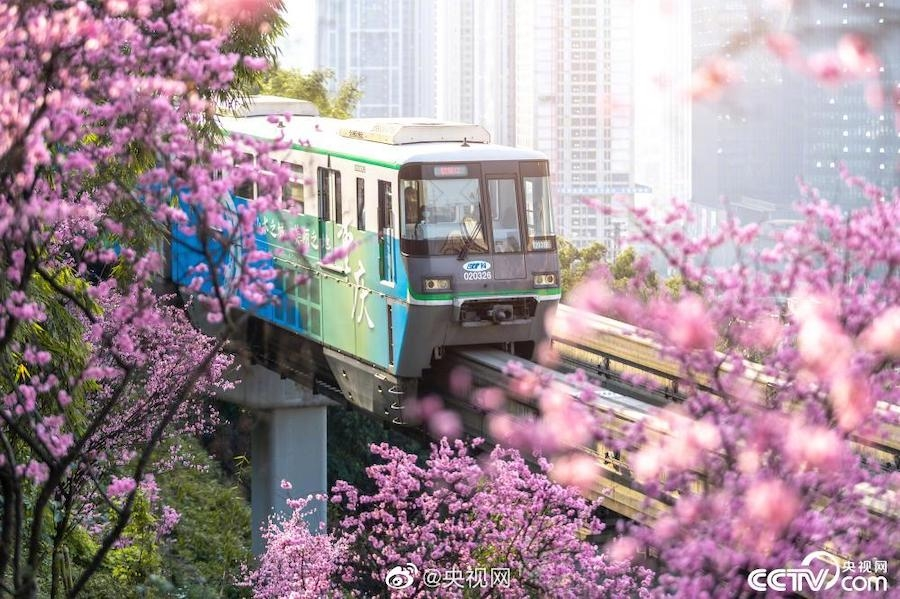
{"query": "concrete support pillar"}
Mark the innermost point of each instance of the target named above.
(287, 444)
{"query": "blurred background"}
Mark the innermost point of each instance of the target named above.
(720, 103)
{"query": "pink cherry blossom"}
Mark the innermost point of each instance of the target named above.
(690, 327)
(646, 464)
(445, 423)
(124, 369)
(761, 460)
(851, 397)
(783, 45)
(120, 486)
(576, 470)
(169, 520)
(815, 447)
(856, 55)
(883, 334)
(826, 68)
(456, 510)
(771, 504)
(712, 78)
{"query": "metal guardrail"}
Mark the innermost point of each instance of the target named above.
(622, 493)
(612, 349)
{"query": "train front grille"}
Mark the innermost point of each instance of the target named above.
(498, 310)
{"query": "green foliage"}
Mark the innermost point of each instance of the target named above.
(623, 266)
(675, 285)
(212, 539)
(61, 333)
(127, 569)
(626, 277)
(575, 264)
(314, 87)
(255, 34)
(134, 563)
(199, 560)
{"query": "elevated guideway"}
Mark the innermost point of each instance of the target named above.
(623, 494)
(489, 367)
(604, 349)
(613, 351)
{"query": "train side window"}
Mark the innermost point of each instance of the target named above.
(293, 189)
(505, 215)
(338, 212)
(384, 206)
(385, 231)
(360, 204)
(538, 210)
(247, 188)
(322, 183)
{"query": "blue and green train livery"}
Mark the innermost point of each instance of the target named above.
(452, 238)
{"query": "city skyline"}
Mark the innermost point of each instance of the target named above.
(608, 98)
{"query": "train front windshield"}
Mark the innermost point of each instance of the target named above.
(458, 209)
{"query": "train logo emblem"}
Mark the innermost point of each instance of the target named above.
(476, 266)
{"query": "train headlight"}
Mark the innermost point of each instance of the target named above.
(545, 279)
(436, 284)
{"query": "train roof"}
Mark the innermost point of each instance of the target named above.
(390, 142)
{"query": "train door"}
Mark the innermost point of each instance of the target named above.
(338, 298)
(507, 246)
(323, 184)
(330, 210)
(387, 260)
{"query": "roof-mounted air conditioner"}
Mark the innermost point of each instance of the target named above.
(273, 105)
(410, 131)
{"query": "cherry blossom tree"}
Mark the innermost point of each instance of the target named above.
(761, 463)
(786, 441)
(297, 562)
(772, 463)
(459, 513)
(103, 149)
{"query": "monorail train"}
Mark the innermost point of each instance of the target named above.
(453, 244)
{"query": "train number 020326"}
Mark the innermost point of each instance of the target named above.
(477, 275)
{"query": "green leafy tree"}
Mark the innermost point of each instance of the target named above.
(257, 35)
(575, 264)
(199, 559)
(56, 269)
(627, 274)
(314, 87)
(212, 538)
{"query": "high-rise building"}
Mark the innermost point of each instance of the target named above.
(777, 123)
(840, 124)
(476, 65)
(555, 75)
(388, 45)
(662, 108)
(574, 102)
(298, 45)
(746, 143)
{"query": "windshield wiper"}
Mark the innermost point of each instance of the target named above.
(468, 241)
